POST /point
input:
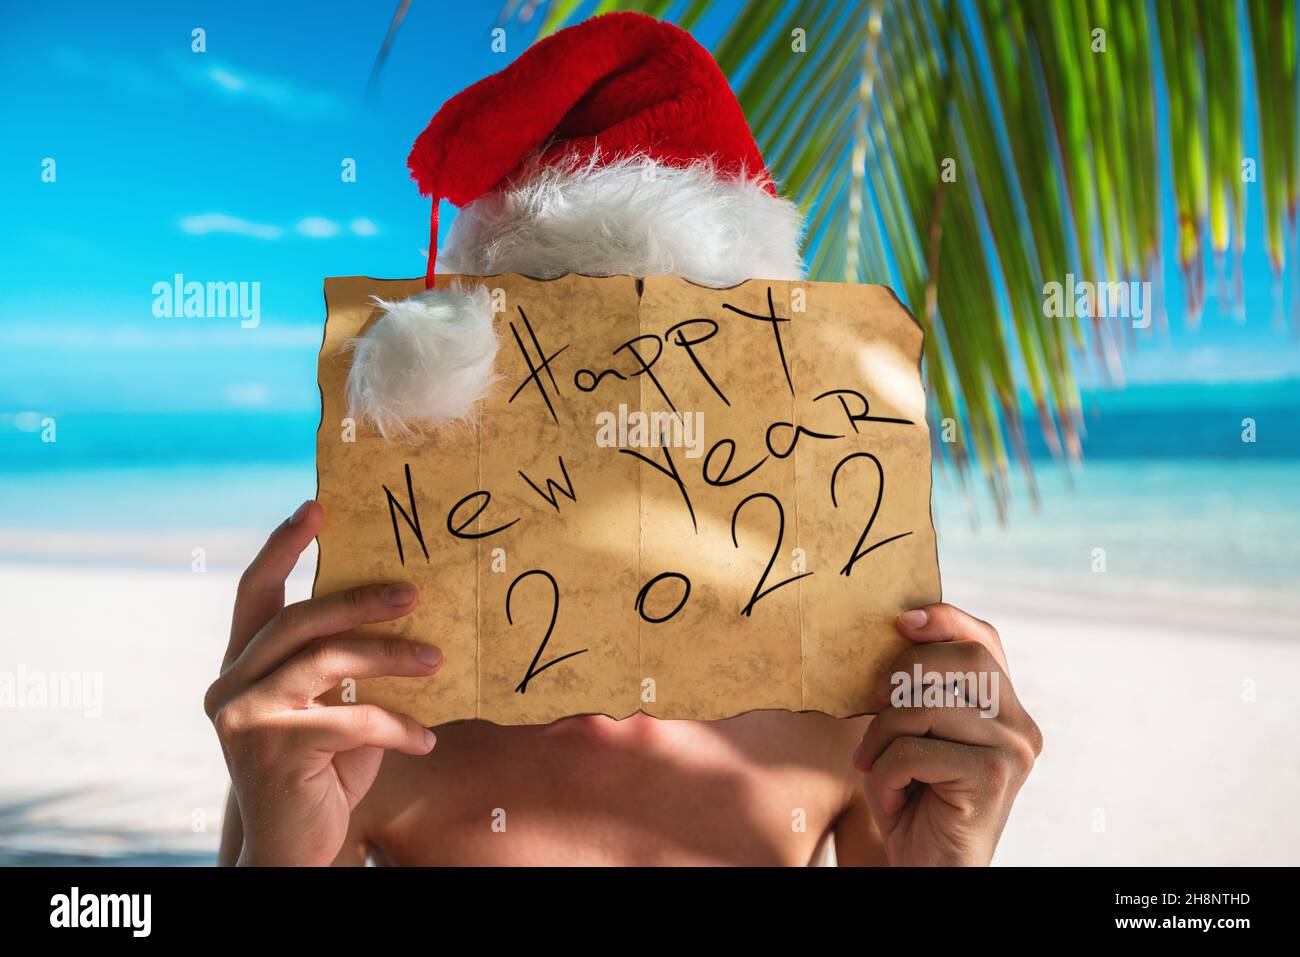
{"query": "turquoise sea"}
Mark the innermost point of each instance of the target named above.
(1168, 489)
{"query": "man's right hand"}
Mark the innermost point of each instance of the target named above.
(299, 767)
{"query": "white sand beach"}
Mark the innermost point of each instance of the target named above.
(1156, 752)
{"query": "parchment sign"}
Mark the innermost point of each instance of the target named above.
(692, 502)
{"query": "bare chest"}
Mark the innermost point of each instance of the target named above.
(592, 792)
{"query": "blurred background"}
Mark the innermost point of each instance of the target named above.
(1117, 496)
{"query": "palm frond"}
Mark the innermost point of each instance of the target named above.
(1049, 114)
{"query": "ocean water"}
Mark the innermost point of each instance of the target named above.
(1168, 491)
(1200, 536)
(1170, 505)
(119, 473)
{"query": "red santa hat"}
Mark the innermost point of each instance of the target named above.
(613, 147)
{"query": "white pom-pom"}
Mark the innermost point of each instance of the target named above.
(425, 362)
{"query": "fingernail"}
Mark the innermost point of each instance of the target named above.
(913, 619)
(299, 515)
(402, 593)
(429, 739)
(429, 655)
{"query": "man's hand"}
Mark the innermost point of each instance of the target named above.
(298, 768)
(940, 779)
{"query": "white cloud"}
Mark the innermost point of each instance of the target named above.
(223, 223)
(317, 227)
(248, 395)
(312, 227)
(27, 421)
(163, 79)
(226, 80)
(272, 93)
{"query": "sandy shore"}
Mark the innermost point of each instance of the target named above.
(1171, 735)
(1166, 743)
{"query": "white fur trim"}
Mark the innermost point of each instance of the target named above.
(426, 361)
(630, 217)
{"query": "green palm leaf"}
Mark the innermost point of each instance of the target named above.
(1047, 114)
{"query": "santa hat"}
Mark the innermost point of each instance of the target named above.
(613, 147)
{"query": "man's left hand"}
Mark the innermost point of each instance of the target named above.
(941, 777)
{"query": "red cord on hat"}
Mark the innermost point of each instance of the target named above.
(433, 245)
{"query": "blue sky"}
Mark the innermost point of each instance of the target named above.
(225, 166)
